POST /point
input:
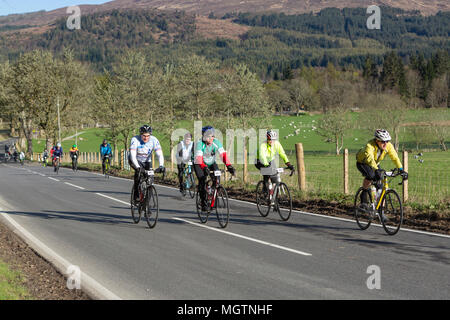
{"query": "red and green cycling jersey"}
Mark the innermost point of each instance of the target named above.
(206, 155)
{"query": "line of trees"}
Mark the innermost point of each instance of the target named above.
(134, 92)
(137, 90)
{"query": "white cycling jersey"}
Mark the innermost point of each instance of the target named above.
(184, 152)
(140, 151)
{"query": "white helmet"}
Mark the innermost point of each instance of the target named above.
(272, 135)
(59, 144)
(382, 135)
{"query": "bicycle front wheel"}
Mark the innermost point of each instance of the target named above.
(391, 212)
(192, 185)
(221, 206)
(362, 212)
(262, 200)
(284, 202)
(151, 207)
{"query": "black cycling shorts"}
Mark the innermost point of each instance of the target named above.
(367, 171)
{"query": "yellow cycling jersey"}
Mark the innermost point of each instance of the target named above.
(268, 152)
(74, 149)
(372, 155)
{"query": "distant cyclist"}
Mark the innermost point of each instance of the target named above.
(105, 150)
(57, 152)
(74, 152)
(369, 158)
(45, 155)
(140, 158)
(205, 161)
(266, 155)
(184, 154)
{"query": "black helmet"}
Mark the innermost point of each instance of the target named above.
(104, 141)
(145, 129)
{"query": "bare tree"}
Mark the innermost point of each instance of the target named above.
(334, 125)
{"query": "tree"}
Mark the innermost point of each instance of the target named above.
(438, 96)
(385, 111)
(279, 97)
(247, 102)
(333, 126)
(122, 96)
(337, 94)
(302, 95)
(198, 78)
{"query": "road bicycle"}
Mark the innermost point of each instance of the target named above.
(387, 206)
(277, 196)
(56, 164)
(106, 165)
(216, 199)
(188, 181)
(75, 162)
(148, 198)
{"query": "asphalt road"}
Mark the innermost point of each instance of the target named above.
(85, 218)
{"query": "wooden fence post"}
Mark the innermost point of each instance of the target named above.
(346, 171)
(405, 183)
(300, 166)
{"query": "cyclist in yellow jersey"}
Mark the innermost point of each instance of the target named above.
(369, 158)
(266, 155)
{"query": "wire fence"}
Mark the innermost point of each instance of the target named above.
(428, 182)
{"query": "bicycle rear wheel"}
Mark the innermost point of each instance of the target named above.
(262, 200)
(203, 215)
(391, 212)
(135, 212)
(284, 202)
(363, 215)
(221, 206)
(151, 210)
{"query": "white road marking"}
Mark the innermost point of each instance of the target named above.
(53, 179)
(123, 202)
(246, 238)
(74, 185)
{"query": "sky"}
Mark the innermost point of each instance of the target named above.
(23, 6)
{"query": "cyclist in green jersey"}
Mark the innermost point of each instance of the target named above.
(205, 162)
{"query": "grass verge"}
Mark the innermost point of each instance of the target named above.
(12, 284)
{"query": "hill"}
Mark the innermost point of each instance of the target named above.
(219, 7)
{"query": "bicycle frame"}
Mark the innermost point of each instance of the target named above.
(392, 174)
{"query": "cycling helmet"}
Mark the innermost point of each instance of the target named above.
(104, 141)
(145, 129)
(272, 135)
(382, 135)
(207, 131)
(58, 144)
(74, 146)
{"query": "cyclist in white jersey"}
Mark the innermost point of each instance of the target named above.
(184, 155)
(141, 148)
